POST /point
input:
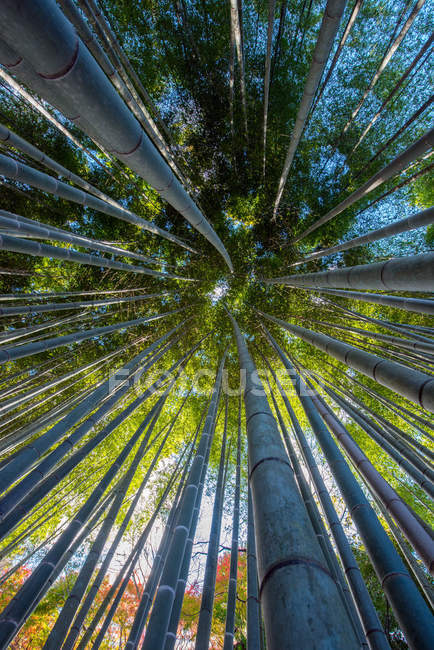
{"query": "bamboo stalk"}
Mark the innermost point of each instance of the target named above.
(232, 588)
(399, 163)
(19, 351)
(408, 605)
(254, 641)
(328, 30)
(208, 589)
(94, 102)
(185, 567)
(163, 603)
(288, 554)
(372, 627)
(412, 384)
(415, 273)
(418, 220)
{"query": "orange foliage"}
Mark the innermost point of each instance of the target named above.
(191, 605)
(36, 629)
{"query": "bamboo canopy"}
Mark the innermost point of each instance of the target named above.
(216, 401)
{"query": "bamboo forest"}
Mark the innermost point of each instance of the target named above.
(217, 334)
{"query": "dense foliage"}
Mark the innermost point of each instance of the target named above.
(181, 52)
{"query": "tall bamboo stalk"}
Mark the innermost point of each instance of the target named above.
(347, 30)
(26, 350)
(16, 225)
(236, 29)
(59, 631)
(385, 60)
(26, 247)
(232, 588)
(39, 108)
(30, 176)
(86, 94)
(408, 605)
(372, 627)
(418, 220)
(133, 102)
(413, 273)
(208, 589)
(185, 567)
(328, 30)
(122, 578)
(412, 384)
(417, 305)
(161, 611)
(81, 615)
(421, 540)
(399, 163)
(43, 295)
(12, 139)
(253, 606)
(125, 68)
(267, 77)
(62, 306)
(413, 564)
(28, 455)
(323, 537)
(293, 575)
